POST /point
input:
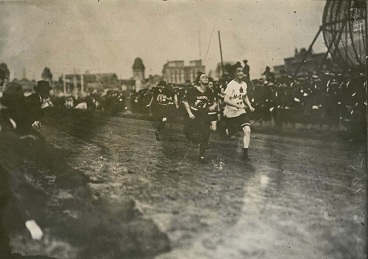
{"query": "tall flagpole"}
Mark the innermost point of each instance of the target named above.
(222, 61)
(366, 87)
(82, 85)
(64, 84)
(200, 53)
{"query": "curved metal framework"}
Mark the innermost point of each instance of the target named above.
(344, 30)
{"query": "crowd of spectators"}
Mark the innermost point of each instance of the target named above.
(325, 99)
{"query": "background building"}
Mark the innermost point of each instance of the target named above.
(176, 72)
(91, 81)
(27, 85)
(138, 74)
(227, 66)
(310, 66)
(279, 71)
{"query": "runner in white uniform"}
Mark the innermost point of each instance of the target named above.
(236, 100)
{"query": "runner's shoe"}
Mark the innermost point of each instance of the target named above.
(246, 157)
(202, 160)
(230, 135)
(196, 138)
(158, 137)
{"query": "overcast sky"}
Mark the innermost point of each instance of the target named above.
(107, 35)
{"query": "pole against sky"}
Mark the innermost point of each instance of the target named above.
(106, 35)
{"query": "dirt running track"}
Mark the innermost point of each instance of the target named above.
(107, 189)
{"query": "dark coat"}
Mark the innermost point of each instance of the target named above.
(33, 108)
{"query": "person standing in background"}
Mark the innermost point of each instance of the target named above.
(246, 69)
(4, 190)
(213, 114)
(35, 102)
(17, 147)
(268, 75)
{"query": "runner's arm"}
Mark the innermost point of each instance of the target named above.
(247, 102)
(213, 106)
(176, 102)
(187, 108)
(148, 105)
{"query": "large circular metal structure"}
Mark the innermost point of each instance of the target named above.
(345, 32)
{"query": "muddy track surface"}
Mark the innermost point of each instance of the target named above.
(108, 189)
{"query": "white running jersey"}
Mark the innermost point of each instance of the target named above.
(236, 92)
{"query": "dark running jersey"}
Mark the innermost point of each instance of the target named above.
(199, 101)
(213, 114)
(214, 94)
(162, 96)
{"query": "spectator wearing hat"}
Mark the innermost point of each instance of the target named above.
(246, 78)
(14, 150)
(268, 75)
(4, 188)
(10, 104)
(36, 101)
(246, 69)
(13, 111)
(3, 78)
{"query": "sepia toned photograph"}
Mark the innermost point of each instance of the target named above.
(177, 129)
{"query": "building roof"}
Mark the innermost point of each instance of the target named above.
(26, 84)
(89, 78)
(138, 64)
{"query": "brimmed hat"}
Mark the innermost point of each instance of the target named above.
(43, 85)
(3, 75)
(162, 83)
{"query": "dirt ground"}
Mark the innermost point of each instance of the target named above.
(103, 187)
